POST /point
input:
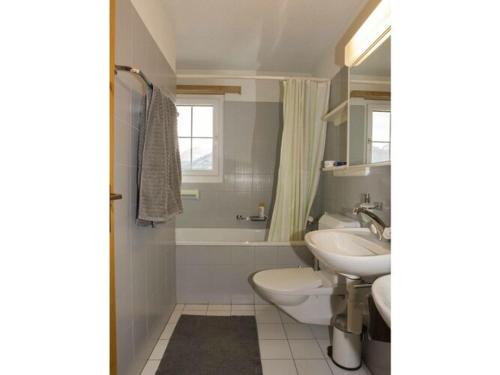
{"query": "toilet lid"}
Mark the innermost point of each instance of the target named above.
(288, 279)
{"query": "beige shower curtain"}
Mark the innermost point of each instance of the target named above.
(302, 146)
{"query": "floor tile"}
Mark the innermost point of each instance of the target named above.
(219, 307)
(151, 367)
(265, 308)
(312, 366)
(305, 349)
(287, 346)
(278, 367)
(159, 349)
(167, 332)
(267, 316)
(298, 331)
(285, 318)
(218, 313)
(339, 371)
(195, 307)
(242, 307)
(271, 331)
(243, 312)
(320, 332)
(179, 307)
(194, 312)
(274, 349)
(174, 318)
(324, 344)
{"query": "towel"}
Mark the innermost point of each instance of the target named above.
(159, 166)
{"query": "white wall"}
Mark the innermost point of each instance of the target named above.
(326, 65)
(144, 256)
(158, 20)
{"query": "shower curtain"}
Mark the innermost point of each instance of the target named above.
(302, 146)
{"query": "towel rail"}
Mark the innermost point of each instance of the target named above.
(139, 72)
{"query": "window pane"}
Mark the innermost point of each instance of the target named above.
(202, 154)
(380, 152)
(203, 121)
(185, 152)
(184, 121)
(381, 126)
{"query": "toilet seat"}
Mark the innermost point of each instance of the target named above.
(302, 293)
(292, 281)
(288, 280)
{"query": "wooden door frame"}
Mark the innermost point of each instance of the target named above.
(112, 305)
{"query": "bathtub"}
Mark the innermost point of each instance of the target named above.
(215, 265)
(227, 237)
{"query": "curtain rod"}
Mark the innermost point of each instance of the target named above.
(275, 78)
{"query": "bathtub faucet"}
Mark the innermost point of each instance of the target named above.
(251, 218)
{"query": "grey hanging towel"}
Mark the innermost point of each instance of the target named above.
(159, 166)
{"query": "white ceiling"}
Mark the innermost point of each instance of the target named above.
(260, 35)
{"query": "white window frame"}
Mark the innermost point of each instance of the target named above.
(216, 174)
(376, 107)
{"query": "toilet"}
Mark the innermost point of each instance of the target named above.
(303, 293)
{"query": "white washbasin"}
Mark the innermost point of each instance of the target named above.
(381, 293)
(353, 251)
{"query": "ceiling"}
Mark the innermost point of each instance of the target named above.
(258, 35)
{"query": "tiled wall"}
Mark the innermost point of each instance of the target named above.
(341, 194)
(145, 257)
(220, 274)
(252, 131)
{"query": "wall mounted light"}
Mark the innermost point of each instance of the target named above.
(374, 31)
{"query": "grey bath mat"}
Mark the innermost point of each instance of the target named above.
(212, 345)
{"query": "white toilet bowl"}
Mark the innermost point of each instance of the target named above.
(303, 293)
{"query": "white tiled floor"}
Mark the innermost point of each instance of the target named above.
(287, 347)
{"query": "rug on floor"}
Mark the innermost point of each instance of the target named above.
(212, 345)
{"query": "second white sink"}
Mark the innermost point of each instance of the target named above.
(381, 292)
(354, 251)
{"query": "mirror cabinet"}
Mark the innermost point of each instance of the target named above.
(360, 114)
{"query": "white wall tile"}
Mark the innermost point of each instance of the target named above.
(145, 268)
(267, 255)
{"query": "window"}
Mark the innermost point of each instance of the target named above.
(199, 128)
(379, 137)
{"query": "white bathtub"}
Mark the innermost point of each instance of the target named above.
(227, 236)
(216, 265)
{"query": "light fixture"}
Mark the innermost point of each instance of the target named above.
(374, 31)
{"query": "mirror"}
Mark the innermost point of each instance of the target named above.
(369, 117)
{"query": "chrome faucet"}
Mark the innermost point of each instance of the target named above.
(378, 226)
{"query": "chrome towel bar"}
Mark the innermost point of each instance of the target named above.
(135, 71)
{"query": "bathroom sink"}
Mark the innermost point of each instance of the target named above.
(381, 293)
(354, 252)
